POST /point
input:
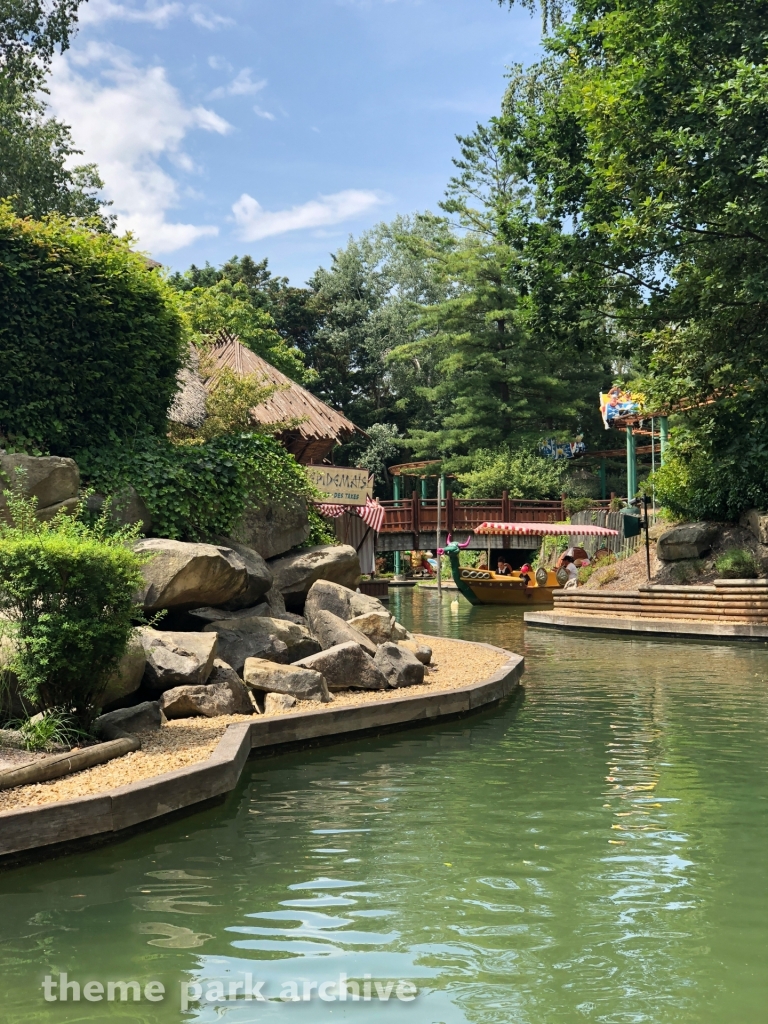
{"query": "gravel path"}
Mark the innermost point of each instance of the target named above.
(186, 741)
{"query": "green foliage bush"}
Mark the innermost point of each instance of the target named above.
(67, 599)
(489, 471)
(90, 337)
(715, 474)
(737, 564)
(197, 490)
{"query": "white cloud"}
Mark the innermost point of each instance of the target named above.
(206, 19)
(127, 119)
(157, 14)
(255, 222)
(264, 113)
(241, 85)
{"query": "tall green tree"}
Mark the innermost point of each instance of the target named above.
(653, 146)
(35, 149)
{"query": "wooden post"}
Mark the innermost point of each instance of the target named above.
(396, 496)
(505, 511)
(449, 523)
(415, 516)
(563, 496)
(438, 556)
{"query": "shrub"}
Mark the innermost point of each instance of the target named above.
(737, 564)
(687, 570)
(522, 472)
(90, 338)
(67, 595)
(197, 489)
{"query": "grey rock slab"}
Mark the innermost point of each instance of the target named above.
(399, 665)
(259, 576)
(273, 527)
(420, 651)
(294, 574)
(324, 595)
(297, 639)
(181, 575)
(146, 717)
(690, 540)
(330, 631)
(274, 703)
(236, 646)
(206, 615)
(346, 667)
(756, 521)
(377, 626)
(127, 508)
(177, 659)
(225, 694)
(49, 478)
(301, 683)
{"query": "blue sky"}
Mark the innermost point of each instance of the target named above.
(279, 127)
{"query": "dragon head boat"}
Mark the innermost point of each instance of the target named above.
(483, 586)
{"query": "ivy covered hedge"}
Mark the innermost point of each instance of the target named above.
(90, 338)
(197, 490)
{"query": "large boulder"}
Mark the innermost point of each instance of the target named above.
(301, 683)
(273, 527)
(297, 639)
(690, 540)
(420, 651)
(276, 703)
(346, 667)
(325, 595)
(206, 615)
(127, 508)
(756, 522)
(236, 646)
(181, 575)
(146, 717)
(177, 659)
(399, 666)
(331, 631)
(126, 679)
(224, 694)
(294, 574)
(377, 626)
(52, 480)
(259, 576)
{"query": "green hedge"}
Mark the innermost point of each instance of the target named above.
(196, 491)
(67, 601)
(90, 337)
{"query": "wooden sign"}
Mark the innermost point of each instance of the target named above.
(341, 485)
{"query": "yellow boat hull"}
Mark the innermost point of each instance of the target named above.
(491, 588)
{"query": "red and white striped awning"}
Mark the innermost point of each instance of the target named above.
(544, 530)
(372, 513)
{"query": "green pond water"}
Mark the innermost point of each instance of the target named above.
(594, 851)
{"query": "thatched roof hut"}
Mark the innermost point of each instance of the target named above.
(318, 427)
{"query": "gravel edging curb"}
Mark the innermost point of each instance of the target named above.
(109, 813)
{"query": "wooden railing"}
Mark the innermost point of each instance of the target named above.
(462, 515)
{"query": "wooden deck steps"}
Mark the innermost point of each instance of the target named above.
(723, 601)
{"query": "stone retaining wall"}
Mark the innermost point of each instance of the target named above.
(107, 814)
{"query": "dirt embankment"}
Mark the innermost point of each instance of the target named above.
(631, 573)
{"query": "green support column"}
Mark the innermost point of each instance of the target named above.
(631, 465)
(603, 484)
(396, 495)
(663, 437)
(423, 488)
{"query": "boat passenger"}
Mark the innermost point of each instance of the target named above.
(503, 569)
(525, 574)
(573, 573)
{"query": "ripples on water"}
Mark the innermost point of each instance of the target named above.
(594, 852)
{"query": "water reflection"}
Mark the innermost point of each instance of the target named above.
(595, 852)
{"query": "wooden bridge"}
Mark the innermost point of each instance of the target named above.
(411, 523)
